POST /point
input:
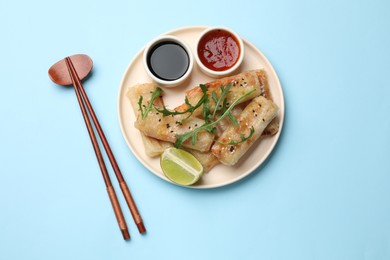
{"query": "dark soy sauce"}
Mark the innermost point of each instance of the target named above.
(168, 60)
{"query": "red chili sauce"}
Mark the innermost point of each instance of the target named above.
(218, 50)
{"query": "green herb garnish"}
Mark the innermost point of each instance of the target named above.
(166, 112)
(221, 105)
(145, 111)
(243, 138)
(209, 127)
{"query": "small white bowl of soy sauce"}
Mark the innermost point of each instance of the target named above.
(168, 60)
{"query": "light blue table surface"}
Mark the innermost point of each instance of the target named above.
(323, 194)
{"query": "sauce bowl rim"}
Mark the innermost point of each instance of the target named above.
(168, 38)
(215, 73)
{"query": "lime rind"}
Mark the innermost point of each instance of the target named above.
(180, 166)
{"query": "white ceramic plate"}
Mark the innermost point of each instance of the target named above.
(220, 175)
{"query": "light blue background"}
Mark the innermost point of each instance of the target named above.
(323, 194)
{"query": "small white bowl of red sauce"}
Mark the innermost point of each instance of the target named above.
(168, 60)
(219, 51)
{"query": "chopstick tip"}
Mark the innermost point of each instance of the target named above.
(126, 234)
(141, 227)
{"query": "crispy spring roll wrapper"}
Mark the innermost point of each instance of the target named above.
(165, 128)
(240, 84)
(273, 127)
(259, 113)
(207, 159)
(264, 86)
(226, 122)
(270, 130)
(153, 147)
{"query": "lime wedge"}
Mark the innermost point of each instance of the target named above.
(180, 166)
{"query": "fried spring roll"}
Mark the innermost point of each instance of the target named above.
(166, 128)
(240, 84)
(258, 114)
(270, 130)
(207, 159)
(153, 147)
(273, 127)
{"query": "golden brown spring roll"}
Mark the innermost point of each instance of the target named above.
(240, 84)
(270, 130)
(273, 127)
(166, 128)
(153, 147)
(207, 159)
(258, 114)
(264, 86)
(226, 122)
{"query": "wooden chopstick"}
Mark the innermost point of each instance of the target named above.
(110, 189)
(125, 189)
(123, 185)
